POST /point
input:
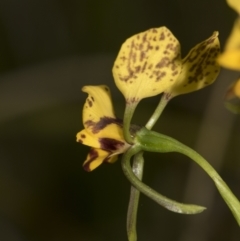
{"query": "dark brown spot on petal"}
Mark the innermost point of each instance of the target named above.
(162, 36)
(137, 68)
(163, 62)
(175, 73)
(160, 75)
(144, 66)
(142, 55)
(89, 102)
(110, 145)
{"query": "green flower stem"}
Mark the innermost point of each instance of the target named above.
(158, 111)
(128, 114)
(137, 168)
(156, 142)
(157, 197)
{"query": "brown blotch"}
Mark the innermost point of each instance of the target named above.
(163, 62)
(89, 102)
(137, 68)
(93, 156)
(142, 55)
(160, 76)
(150, 66)
(109, 144)
(144, 66)
(162, 36)
(102, 123)
(144, 39)
(123, 58)
(175, 73)
(83, 136)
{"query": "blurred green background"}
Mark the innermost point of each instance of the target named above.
(48, 51)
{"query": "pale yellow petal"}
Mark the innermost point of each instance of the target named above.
(233, 41)
(199, 68)
(95, 158)
(147, 64)
(230, 59)
(235, 4)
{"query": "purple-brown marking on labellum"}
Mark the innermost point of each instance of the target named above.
(93, 155)
(109, 144)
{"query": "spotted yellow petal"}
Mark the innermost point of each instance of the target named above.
(96, 157)
(230, 58)
(98, 114)
(199, 67)
(235, 4)
(98, 103)
(147, 64)
(87, 139)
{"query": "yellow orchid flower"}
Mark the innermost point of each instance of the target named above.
(102, 130)
(199, 67)
(147, 64)
(230, 58)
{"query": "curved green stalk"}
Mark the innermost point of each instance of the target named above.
(156, 142)
(158, 111)
(158, 198)
(137, 168)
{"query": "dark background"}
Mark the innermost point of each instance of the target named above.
(48, 51)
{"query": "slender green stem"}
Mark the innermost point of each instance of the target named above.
(157, 197)
(128, 114)
(156, 142)
(137, 168)
(158, 111)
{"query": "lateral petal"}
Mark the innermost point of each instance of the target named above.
(199, 68)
